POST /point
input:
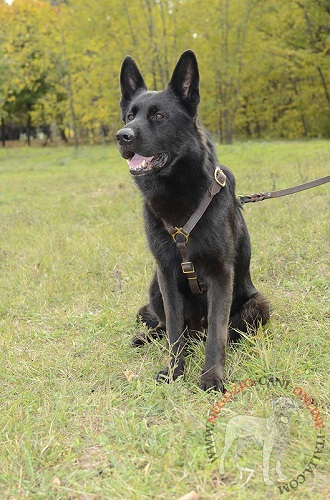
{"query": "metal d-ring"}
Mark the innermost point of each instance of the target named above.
(216, 172)
(178, 230)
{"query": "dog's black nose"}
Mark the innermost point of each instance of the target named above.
(125, 135)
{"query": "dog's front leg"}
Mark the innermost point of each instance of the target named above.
(266, 451)
(174, 314)
(219, 298)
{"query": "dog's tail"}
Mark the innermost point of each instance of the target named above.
(247, 319)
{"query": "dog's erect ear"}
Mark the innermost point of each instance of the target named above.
(131, 81)
(185, 81)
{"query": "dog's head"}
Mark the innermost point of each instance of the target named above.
(157, 123)
(283, 407)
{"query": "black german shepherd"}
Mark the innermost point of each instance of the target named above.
(172, 160)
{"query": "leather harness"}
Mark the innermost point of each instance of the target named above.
(180, 235)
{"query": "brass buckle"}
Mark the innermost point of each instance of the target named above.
(179, 231)
(217, 170)
(187, 271)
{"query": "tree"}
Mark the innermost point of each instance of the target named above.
(264, 65)
(25, 81)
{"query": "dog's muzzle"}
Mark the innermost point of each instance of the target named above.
(125, 136)
(138, 163)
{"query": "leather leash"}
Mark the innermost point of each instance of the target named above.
(180, 235)
(252, 198)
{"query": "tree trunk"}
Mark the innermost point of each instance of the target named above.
(68, 84)
(220, 127)
(324, 83)
(312, 38)
(153, 44)
(103, 134)
(228, 128)
(63, 136)
(166, 68)
(302, 116)
(258, 129)
(28, 129)
(71, 106)
(3, 131)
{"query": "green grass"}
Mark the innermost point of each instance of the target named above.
(81, 416)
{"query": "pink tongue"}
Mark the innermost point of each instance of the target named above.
(137, 160)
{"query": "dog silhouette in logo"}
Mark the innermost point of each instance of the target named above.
(269, 433)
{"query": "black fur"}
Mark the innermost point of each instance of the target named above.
(166, 123)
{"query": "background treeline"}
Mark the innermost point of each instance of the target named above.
(264, 64)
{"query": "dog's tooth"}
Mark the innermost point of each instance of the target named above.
(143, 164)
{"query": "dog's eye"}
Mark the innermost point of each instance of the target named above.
(159, 116)
(130, 117)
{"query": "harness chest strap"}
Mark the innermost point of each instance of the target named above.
(181, 235)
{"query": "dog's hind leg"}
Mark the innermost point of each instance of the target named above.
(249, 308)
(238, 452)
(253, 312)
(147, 316)
(278, 468)
(229, 439)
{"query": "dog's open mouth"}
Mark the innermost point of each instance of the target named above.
(144, 164)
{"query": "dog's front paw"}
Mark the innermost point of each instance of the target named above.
(210, 381)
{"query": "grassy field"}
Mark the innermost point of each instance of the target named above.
(81, 416)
